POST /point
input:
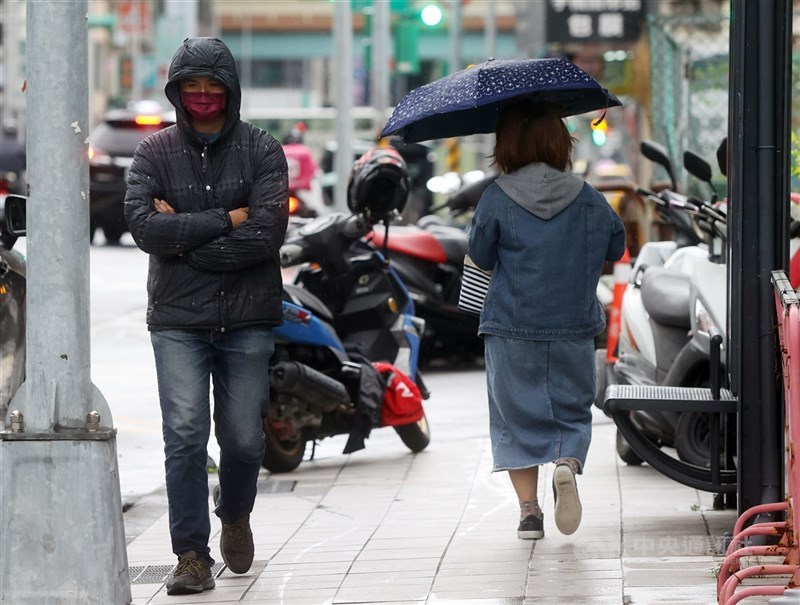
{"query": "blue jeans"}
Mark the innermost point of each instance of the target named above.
(238, 363)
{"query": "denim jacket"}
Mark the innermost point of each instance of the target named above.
(545, 234)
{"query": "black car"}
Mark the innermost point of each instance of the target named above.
(111, 148)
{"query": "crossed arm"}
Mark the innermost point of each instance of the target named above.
(215, 239)
(237, 216)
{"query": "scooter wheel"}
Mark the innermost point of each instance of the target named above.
(281, 456)
(693, 438)
(626, 453)
(416, 436)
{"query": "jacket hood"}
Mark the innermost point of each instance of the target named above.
(208, 57)
(541, 189)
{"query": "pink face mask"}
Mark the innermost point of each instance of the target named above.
(204, 105)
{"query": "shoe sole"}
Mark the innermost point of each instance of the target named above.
(238, 570)
(530, 534)
(568, 509)
(196, 589)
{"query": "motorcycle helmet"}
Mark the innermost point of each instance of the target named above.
(379, 183)
(293, 137)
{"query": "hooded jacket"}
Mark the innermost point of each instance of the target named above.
(546, 235)
(203, 273)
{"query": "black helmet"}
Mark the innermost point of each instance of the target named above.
(379, 183)
(293, 137)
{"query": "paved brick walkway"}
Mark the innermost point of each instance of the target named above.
(386, 526)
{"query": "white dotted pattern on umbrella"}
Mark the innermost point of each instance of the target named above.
(480, 91)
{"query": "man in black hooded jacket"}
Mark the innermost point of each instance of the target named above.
(207, 200)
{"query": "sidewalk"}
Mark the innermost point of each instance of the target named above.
(386, 526)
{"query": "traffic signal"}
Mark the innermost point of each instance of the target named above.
(415, 17)
(599, 131)
(431, 14)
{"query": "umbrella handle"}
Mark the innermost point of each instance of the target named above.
(601, 118)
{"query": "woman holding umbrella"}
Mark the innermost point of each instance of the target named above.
(545, 234)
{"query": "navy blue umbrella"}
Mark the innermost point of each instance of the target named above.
(469, 101)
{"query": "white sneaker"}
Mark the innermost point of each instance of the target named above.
(568, 509)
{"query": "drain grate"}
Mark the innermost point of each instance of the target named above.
(157, 574)
(276, 487)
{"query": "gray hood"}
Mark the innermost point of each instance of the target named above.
(541, 189)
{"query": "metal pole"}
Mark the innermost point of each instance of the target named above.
(531, 29)
(758, 141)
(491, 50)
(136, 49)
(60, 451)
(381, 39)
(455, 30)
(490, 19)
(247, 65)
(343, 83)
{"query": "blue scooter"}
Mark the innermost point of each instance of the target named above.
(345, 309)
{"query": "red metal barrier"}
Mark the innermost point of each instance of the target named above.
(787, 574)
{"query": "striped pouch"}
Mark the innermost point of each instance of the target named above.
(474, 285)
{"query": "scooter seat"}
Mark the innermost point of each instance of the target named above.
(665, 296)
(411, 241)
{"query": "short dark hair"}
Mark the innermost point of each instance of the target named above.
(529, 132)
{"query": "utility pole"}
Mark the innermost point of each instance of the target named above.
(343, 82)
(455, 32)
(136, 49)
(531, 29)
(381, 38)
(247, 64)
(490, 18)
(453, 145)
(61, 533)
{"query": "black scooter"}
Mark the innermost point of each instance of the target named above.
(345, 309)
(429, 257)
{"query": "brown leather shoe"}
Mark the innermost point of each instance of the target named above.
(236, 542)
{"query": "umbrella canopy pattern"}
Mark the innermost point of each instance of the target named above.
(469, 101)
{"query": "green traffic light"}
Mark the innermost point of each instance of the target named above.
(431, 15)
(598, 137)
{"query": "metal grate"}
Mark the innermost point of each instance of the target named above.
(276, 487)
(157, 574)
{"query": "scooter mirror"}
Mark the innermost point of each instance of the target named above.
(15, 215)
(658, 154)
(697, 166)
(722, 156)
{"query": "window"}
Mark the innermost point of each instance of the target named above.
(273, 73)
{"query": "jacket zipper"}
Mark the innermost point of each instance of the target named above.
(220, 291)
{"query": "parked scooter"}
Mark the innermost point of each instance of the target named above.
(659, 343)
(12, 302)
(346, 309)
(429, 258)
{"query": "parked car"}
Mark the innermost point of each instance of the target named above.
(111, 147)
(12, 303)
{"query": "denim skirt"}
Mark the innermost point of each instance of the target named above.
(540, 400)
